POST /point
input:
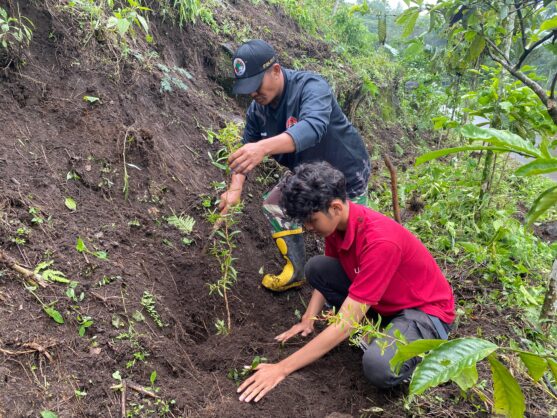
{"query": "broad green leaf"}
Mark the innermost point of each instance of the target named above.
(500, 138)
(536, 365)
(541, 205)
(467, 378)
(80, 245)
(476, 48)
(70, 203)
(553, 366)
(415, 348)
(408, 19)
(538, 166)
(153, 377)
(54, 314)
(48, 414)
(428, 156)
(507, 396)
(447, 361)
(549, 24)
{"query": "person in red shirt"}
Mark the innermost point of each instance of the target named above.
(371, 263)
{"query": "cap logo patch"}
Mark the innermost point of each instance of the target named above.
(239, 67)
(290, 122)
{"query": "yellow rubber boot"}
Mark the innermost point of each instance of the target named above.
(291, 246)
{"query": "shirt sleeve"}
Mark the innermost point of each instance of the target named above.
(252, 131)
(379, 261)
(315, 114)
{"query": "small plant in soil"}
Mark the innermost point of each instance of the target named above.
(185, 224)
(239, 375)
(82, 248)
(148, 302)
(48, 308)
(15, 34)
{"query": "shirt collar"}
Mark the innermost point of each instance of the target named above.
(354, 218)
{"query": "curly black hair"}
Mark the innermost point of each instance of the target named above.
(311, 188)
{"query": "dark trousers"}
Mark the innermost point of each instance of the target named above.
(326, 275)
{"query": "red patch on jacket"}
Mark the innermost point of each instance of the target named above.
(290, 122)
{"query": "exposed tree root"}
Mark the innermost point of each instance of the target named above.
(31, 276)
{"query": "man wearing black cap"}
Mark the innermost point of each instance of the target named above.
(295, 118)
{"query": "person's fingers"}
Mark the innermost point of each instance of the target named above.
(236, 154)
(263, 393)
(246, 383)
(254, 392)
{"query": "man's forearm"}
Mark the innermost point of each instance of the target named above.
(279, 144)
(237, 181)
(332, 336)
(315, 306)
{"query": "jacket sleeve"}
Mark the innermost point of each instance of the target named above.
(252, 131)
(314, 116)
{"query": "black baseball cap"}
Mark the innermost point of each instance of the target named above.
(250, 62)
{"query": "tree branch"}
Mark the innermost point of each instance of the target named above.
(496, 48)
(552, 90)
(527, 51)
(521, 22)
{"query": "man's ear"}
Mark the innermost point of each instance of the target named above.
(337, 206)
(276, 69)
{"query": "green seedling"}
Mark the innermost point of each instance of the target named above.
(148, 302)
(118, 377)
(239, 375)
(70, 292)
(91, 99)
(48, 414)
(47, 308)
(49, 274)
(72, 175)
(134, 223)
(184, 223)
(70, 204)
(36, 219)
(80, 393)
(106, 280)
(84, 323)
(82, 248)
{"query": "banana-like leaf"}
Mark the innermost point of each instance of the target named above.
(447, 362)
(542, 204)
(428, 156)
(507, 395)
(536, 365)
(415, 348)
(467, 378)
(538, 166)
(553, 366)
(500, 138)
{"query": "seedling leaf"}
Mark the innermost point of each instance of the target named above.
(54, 314)
(70, 203)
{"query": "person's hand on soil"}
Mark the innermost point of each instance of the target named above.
(305, 327)
(246, 158)
(266, 377)
(229, 198)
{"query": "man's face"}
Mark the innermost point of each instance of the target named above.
(323, 224)
(269, 89)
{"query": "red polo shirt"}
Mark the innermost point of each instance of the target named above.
(390, 268)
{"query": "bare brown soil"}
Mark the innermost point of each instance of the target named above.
(47, 131)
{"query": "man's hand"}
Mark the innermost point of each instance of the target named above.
(305, 327)
(265, 378)
(229, 198)
(247, 158)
